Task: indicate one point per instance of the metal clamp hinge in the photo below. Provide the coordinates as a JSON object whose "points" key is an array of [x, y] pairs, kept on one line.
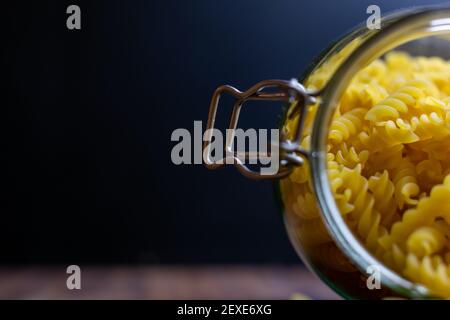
{"points": [[291, 154]]}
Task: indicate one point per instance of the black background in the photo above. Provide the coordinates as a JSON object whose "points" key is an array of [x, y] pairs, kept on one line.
{"points": [[87, 118]]}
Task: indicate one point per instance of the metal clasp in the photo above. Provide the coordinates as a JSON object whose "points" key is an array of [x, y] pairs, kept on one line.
{"points": [[291, 154]]}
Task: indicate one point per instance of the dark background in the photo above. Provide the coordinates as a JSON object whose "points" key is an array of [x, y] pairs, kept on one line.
{"points": [[87, 118]]}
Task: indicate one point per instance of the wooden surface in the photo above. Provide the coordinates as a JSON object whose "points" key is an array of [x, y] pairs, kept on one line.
{"points": [[227, 282]]}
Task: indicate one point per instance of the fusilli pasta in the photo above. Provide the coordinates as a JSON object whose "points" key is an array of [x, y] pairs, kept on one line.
{"points": [[388, 167]]}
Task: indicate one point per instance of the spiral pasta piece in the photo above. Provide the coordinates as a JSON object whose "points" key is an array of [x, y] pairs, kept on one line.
{"points": [[369, 226], [305, 206], [346, 125], [432, 271], [383, 191], [399, 103], [405, 182], [349, 157], [425, 241]]}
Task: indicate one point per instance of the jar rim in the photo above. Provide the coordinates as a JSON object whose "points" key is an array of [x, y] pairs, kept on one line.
{"points": [[398, 28]]}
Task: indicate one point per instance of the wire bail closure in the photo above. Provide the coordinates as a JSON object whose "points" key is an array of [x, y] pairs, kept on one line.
{"points": [[291, 154]]}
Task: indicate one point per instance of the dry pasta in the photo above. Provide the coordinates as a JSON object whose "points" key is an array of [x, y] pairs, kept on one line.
{"points": [[389, 166]]}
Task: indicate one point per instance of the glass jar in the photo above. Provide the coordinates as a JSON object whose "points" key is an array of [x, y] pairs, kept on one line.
{"points": [[312, 215]]}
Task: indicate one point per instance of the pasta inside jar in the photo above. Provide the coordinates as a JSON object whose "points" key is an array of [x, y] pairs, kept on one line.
{"points": [[388, 160]]}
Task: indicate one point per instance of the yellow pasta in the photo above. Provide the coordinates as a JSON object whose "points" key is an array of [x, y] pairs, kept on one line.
{"points": [[346, 125], [388, 166], [431, 271], [425, 241]]}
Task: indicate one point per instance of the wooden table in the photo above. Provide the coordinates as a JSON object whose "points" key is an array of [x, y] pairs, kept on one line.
{"points": [[204, 282]]}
